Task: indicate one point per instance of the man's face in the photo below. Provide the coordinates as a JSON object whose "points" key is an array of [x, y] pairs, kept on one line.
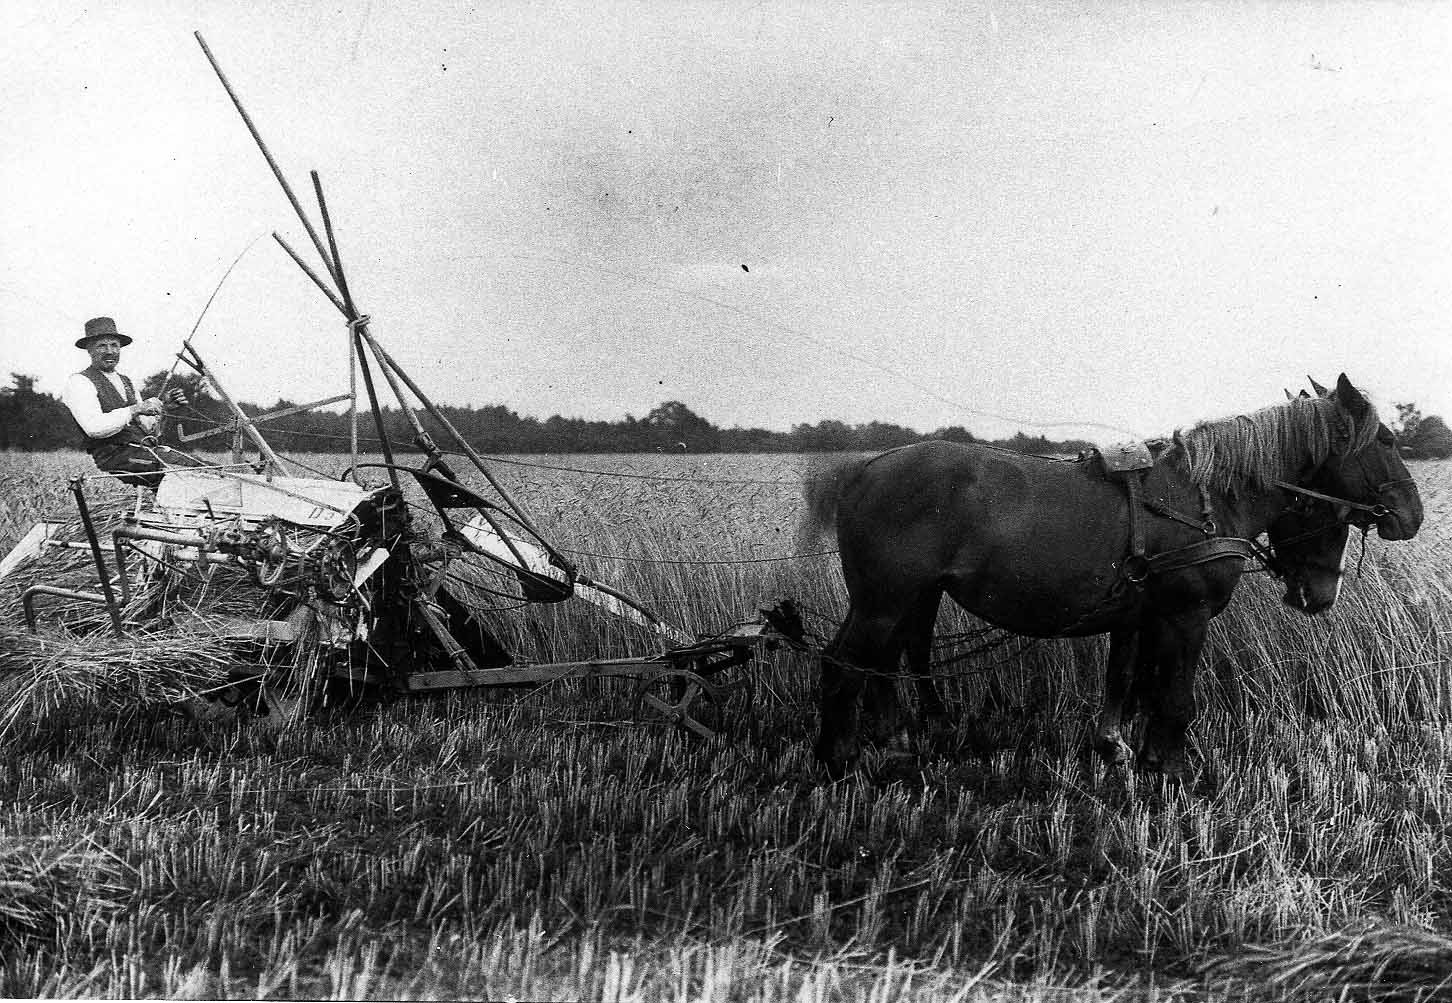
{"points": [[105, 353]]}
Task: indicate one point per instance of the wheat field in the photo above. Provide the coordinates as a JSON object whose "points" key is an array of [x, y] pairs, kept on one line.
{"points": [[543, 844]]}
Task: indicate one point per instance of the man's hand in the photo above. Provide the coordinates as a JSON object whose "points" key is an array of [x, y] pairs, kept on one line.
{"points": [[149, 406], [174, 398]]}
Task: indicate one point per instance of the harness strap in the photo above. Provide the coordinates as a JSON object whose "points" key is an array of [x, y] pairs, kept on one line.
{"points": [[1268, 558], [1217, 548], [1136, 523], [1377, 510], [1206, 525], [1138, 567]]}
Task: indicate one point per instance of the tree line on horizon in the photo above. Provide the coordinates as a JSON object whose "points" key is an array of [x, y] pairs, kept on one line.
{"points": [[35, 421]]}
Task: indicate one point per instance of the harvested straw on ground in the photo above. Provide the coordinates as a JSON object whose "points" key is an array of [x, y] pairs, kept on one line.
{"points": [[48, 880], [1373, 961], [41, 676]]}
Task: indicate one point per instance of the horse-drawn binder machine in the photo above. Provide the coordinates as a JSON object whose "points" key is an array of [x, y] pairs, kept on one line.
{"points": [[375, 578]]}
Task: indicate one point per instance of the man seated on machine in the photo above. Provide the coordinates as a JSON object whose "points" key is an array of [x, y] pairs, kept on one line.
{"points": [[120, 428]]}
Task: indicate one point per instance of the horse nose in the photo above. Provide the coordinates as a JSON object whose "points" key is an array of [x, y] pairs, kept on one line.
{"points": [[1404, 513]]}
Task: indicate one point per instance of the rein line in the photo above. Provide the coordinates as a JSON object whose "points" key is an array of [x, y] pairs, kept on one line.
{"points": [[1379, 510]]}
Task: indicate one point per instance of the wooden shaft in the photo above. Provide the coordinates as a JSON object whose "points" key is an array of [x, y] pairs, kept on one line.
{"points": [[420, 433], [355, 354], [388, 364], [267, 154], [384, 445], [353, 405], [308, 270], [338, 275], [269, 416], [246, 423], [353, 342]]}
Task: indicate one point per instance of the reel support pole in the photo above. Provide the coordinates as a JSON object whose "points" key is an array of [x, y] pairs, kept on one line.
{"points": [[384, 445], [267, 154], [355, 350], [358, 325], [388, 363], [353, 405]]}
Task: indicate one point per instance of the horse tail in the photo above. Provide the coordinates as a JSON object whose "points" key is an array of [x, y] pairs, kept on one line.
{"points": [[821, 489]]}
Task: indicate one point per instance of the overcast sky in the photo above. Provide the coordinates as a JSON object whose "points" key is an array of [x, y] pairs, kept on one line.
{"points": [[938, 213]]}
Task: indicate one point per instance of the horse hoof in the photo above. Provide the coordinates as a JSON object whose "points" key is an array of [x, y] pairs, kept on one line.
{"points": [[1172, 769], [1114, 750]]}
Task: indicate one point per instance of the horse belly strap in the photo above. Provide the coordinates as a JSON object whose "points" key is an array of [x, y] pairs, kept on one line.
{"points": [[1217, 548]]}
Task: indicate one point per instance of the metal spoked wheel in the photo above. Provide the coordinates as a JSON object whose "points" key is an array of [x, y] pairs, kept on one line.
{"points": [[682, 697]]}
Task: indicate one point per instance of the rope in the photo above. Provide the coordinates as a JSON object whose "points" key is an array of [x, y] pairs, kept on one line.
{"points": [[940, 663], [939, 641], [645, 477], [657, 560]]}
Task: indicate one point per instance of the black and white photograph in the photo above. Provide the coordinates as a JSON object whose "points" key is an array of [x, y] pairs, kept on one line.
{"points": [[675, 500]]}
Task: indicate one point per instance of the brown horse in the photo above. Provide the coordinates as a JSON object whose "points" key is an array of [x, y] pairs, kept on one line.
{"points": [[1308, 545], [1048, 548]]}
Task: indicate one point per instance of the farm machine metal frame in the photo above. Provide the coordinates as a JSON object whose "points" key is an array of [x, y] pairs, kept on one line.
{"points": [[350, 584]]}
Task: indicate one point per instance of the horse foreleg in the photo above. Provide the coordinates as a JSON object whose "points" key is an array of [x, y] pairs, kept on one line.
{"points": [[882, 711], [1174, 643], [1119, 678], [858, 648]]}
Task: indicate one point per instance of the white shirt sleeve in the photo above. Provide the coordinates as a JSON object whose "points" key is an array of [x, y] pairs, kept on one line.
{"points": [[80, 397]]}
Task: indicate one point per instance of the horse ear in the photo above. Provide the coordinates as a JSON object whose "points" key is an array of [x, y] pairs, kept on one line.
{"points": [[1289, 396], [1320, 390], [1350, 397]]}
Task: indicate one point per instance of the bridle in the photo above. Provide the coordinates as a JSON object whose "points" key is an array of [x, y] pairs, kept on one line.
{"points": [[1272, 561], [1377, 511]]}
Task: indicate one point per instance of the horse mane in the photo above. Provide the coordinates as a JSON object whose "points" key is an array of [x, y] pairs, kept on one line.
{"points": [[1253, 451]]}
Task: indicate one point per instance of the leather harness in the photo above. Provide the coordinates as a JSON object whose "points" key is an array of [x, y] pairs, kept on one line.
{"points": [[1129, 463]]}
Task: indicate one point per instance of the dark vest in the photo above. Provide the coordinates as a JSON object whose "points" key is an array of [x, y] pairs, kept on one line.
{"points": [[110, 400]]}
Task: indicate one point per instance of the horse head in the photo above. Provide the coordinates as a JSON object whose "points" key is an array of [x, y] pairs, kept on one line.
{"points": [[1365, 468], [1309, 542]]}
